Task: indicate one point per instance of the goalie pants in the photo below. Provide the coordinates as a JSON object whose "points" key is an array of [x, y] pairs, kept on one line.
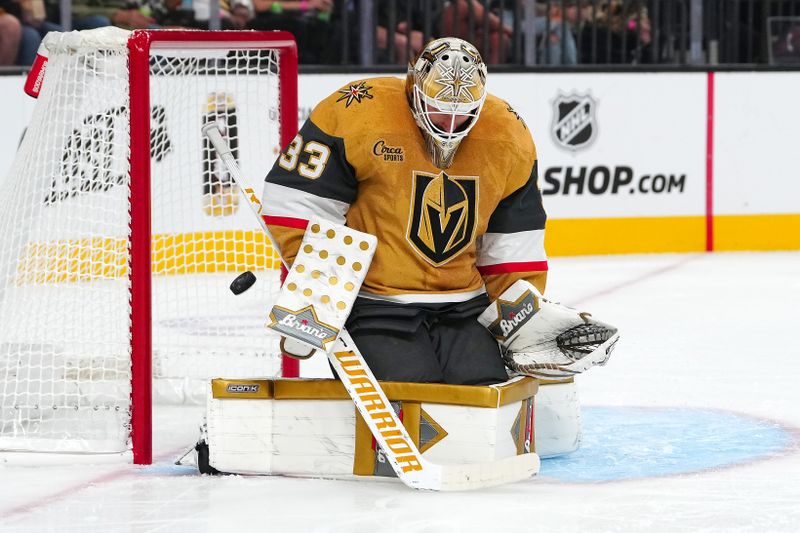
{"points": [[439, 343]]}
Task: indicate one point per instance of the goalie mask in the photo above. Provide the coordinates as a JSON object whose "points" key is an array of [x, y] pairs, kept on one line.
{"points": [[446, 88]]}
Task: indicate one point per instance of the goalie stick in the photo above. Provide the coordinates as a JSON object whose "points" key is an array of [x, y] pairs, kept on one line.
{"points": [[373, 405]]}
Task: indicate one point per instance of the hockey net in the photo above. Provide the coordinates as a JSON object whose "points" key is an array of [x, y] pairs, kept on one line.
{"points": [[120, 226]]}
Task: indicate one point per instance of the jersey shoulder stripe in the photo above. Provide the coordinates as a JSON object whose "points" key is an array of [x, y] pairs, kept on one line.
{"points": [[284, 203]]}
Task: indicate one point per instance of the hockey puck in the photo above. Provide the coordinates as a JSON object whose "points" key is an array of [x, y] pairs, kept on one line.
{"points": [[243, 282]]}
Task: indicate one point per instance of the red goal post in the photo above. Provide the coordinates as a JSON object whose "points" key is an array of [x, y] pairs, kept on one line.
{"points": [[140, 45]]}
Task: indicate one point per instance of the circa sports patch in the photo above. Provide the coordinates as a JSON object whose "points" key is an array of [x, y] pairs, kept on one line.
{"points": [[302, 325], [513, 315]]}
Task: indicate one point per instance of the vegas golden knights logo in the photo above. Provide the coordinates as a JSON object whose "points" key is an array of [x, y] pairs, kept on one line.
{"points": [[443, 215]]}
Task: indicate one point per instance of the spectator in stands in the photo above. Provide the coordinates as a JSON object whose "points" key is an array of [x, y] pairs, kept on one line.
{"points": [[638, 30], [308, 20], [86, 14], [459, 15], [399, 23], [555, 30], [233, 14], [127, 14], [622, 33], [40, 17], [554, 27], [242, 13], [785, 42], [10, 36], [408, 35], [142, 14], [34, 26], [297, 7]]}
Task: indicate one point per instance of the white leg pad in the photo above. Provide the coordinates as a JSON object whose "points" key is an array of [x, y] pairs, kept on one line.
{"points": [[558, 418], [310, 427]]}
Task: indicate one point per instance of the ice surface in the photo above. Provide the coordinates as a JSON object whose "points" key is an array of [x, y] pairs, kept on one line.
{"points": [[692, 425]]}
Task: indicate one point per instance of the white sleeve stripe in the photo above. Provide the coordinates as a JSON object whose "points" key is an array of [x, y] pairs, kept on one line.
{"points": [[282, 201], [424, 298], [520, 247]]}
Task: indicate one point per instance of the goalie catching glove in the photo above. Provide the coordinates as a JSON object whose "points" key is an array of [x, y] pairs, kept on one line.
{"points": [[544, 339]]}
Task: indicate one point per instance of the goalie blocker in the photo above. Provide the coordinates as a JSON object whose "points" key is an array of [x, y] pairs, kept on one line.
{"points": [[544, 339]]}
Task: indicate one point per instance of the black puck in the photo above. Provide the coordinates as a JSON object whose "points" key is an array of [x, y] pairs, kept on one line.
{"points": [[243, 282]]}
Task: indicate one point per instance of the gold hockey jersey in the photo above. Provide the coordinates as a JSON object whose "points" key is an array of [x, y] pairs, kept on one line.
{"points": [[443, 235]]}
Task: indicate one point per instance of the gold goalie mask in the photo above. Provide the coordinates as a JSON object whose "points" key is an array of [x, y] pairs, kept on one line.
{"points": [[446, 88]]}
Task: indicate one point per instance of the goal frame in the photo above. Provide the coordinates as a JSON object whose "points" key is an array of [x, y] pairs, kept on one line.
{"points": [[140, 43]]}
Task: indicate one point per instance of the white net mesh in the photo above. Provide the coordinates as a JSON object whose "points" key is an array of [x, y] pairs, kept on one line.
{"points": [[65, 363]]}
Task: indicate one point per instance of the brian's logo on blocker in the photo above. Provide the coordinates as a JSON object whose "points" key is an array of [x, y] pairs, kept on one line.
{"points": [[512, 315], [302, 325], [574, 122]]}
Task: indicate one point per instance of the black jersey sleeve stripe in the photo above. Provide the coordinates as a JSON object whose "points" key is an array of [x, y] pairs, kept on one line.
{"points": [[337, 179], [522, 210]]}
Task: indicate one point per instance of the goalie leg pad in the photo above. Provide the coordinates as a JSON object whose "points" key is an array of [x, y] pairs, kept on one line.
{"points": [[309, 427]]}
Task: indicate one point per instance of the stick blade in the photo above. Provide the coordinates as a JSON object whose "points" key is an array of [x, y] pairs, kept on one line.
{"points": [[483, 475]]}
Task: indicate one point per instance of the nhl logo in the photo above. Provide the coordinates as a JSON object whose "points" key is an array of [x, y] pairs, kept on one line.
{"points": [[574, 124]]}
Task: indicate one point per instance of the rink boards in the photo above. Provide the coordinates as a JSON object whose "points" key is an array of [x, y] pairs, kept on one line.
{"points": [[629, 162], [654, 161]]}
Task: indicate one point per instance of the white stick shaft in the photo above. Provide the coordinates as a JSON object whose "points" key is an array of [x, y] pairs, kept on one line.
{"points": [[374, 406], [211, 131]]}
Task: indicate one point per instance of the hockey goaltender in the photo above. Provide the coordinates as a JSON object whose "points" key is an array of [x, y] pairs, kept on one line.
{"points": [[437, 181], [445, 175]]}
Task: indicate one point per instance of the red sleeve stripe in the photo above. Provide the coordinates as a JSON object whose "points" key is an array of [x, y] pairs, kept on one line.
{"points": [[286, 222], [509, 268]]}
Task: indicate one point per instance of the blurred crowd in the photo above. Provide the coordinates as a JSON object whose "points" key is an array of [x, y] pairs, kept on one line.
{"points": [[566, 32], [328, 31], [24, 23]]}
